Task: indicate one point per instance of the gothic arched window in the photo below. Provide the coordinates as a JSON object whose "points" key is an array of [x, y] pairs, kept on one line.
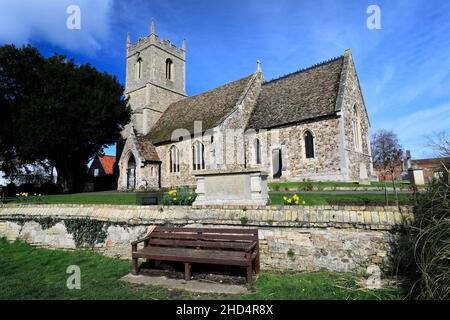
{"points": [[257, 151], [174, 159], [169, 66], [131, 173], [198, 156], [309, 144]]}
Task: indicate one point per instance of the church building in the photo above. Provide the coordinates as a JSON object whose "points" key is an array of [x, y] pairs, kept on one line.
{"points": [[310, 124]]}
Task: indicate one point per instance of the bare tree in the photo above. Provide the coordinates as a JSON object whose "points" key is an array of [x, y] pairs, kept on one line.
{"points": [[440, 142], [387, 154]]}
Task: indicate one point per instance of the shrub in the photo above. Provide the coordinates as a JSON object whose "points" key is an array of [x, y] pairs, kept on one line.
{"points": [[181, 196], [26, 198], [308, 185], [244, 220], [294, 200], [430, 238]]}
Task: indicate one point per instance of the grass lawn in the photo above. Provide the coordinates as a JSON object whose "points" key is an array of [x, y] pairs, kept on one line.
{"points": [[276, 198], [312, 199], [321, 185], [85, 198], [36, 273]]}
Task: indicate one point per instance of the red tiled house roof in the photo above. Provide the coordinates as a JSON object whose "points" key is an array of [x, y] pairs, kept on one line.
{"points": [[107, 163]]}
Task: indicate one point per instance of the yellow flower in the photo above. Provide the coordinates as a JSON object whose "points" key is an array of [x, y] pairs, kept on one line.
{"points": [[172, 192], [174, 199], [295, 196], [40, 195], [289, 200], [35, 194], [303, 202], [285, 198], [17, 194], [296, 201]]}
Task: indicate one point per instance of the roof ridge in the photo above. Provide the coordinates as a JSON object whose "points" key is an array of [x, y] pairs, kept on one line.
{"points": [[316, 65], [212, 89]]}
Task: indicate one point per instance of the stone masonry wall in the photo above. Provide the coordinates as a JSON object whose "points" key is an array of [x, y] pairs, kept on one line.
{"points": [[358, 159], [325, 165], [346, 239]]}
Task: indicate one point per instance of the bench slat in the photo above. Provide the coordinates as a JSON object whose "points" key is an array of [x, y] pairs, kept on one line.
{"points": [[201, 244], [208, 230], [207, 236], [192, 255]]}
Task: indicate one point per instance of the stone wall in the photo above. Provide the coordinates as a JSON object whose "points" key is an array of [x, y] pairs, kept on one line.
{"points": [[325, 165], [357, 158], [334, 238]]}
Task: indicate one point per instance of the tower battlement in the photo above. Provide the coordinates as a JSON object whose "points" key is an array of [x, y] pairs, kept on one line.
{"points": [[155, 77], [153, 39]]}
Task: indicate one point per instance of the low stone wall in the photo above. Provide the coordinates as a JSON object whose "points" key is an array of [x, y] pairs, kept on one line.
{"points": [[338, 238]]}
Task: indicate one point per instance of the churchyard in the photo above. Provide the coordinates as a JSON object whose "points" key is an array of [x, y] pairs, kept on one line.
{"points": [[25, 273]]}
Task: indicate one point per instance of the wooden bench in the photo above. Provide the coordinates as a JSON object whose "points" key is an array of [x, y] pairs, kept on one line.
{"points": [[233, 247]]}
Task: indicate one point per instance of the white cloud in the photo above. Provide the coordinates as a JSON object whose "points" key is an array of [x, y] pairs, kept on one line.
{"points": [[414, 128], [28, 21]]}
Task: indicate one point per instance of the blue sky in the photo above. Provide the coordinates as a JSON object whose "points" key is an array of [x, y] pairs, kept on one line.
{"points": [[404, 68]]}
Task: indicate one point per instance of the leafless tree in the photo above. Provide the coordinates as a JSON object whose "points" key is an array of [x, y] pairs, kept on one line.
{"points": [[387, 154], [440, 143]]}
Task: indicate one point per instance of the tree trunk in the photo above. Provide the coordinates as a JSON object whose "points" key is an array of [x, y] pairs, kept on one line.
{"points": [[71, 177]]}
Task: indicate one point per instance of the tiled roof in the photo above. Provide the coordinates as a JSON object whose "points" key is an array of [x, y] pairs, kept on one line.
{"points": [[209, 107], [147, 149], [432, 162], [107, 163], [302, 95]]}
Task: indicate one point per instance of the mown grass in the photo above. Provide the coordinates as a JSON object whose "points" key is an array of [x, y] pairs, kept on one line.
{"points": [[36, 273], [82, 198], [317, 185], [311, 199]]}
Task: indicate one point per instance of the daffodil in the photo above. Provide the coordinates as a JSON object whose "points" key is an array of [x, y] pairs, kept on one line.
{"points": [[289, 200], [172, 192]]}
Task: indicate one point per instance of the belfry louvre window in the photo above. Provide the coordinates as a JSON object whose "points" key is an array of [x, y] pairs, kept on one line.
{"points": [[169, 65], [198, 156], [257, 151], [139, 69], [309, 145], [174, 160]]}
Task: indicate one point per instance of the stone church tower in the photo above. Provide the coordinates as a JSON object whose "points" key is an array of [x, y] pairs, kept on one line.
{"points": [[155, 77]]}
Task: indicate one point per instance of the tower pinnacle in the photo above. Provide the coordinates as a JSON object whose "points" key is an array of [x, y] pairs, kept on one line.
{"points": [[152, 26], [128, 39]]}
